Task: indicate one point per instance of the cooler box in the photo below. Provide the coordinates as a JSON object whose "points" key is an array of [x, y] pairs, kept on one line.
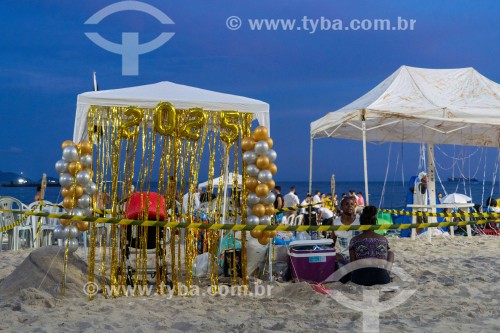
{"points": [[140, 204], [312, 260]]}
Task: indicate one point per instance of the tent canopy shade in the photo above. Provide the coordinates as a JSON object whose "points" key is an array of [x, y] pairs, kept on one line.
{"points": [[180, 96], [440, 106], [216, 181]]}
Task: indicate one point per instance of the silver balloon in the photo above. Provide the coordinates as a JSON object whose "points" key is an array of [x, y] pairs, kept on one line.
{"points": [[252, 220], [252, 170], [62, 166], [249, 210], [84, 201], [271, 154], [266, 219], [249, 157], [66, 180], [73, 244], [72, 231], [83, 178], [87, 211], [58, 232], [261, 148], [252, 199], [265, 176], [70, 154], [91, 188], [77, 212], [268, 199], [86, 161]]}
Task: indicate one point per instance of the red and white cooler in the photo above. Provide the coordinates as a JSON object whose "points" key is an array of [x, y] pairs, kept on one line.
{"points": [[312, 260]]}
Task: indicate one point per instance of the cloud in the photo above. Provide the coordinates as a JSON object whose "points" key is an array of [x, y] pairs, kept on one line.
{"points": [[11, 150]]}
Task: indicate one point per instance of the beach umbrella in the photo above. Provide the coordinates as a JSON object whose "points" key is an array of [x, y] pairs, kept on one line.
{"points": [[456, 198]]}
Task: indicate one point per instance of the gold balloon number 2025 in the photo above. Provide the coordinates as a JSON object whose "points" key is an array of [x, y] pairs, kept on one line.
{"points": [[166, 123]]}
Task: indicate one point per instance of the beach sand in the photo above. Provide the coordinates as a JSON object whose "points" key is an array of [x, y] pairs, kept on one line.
{"points": [[455, 285]]}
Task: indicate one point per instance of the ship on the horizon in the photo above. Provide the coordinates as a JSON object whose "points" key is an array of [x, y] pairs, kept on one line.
{"points": [[462, 179]]}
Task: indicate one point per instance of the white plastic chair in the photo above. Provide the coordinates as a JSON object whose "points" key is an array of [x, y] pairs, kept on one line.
{"points": [[8, 218], [47, 224], [298, 219]]}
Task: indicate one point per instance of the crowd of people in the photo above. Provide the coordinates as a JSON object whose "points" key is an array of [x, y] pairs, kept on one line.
{"points": [[366, 248]]}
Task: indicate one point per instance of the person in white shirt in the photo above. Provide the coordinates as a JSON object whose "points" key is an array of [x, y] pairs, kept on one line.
{"points": [[191, 201], [317, 197], [325, 216], [290, 200], [347, 217], [420, 195]]}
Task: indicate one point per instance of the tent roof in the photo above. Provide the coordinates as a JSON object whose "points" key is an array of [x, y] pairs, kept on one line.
{"points": [[181, 96], [217, 180], [443, 106]]}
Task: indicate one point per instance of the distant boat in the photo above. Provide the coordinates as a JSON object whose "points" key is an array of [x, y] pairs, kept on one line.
{"points": [[462, 179]]}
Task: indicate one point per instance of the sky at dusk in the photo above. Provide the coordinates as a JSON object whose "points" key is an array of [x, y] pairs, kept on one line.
{"points": [[46, 61]]}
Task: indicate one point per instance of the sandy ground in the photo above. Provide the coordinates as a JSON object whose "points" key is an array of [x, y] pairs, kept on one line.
{"points": [[452, 285]]}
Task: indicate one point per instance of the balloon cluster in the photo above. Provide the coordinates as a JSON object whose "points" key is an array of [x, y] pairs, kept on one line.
{"points": [[260, 167], [77, 189]]}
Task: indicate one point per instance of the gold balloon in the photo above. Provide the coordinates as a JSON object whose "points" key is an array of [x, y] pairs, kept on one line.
{"points": [[229, 125], [251, 183], [260, 133], [262, 162], [271, 185], [133, 117], [256, 233], [270, 142], [273, 168], [82, 225], [264, 240], [266, 233], [193, 127], [261, 190], [69, 203], [85, 147], [269, 209], [258, 210], [76, 191], [65, 222], [68, 143], [247, 144], [65, 192], [273, 233], [74, 167]]}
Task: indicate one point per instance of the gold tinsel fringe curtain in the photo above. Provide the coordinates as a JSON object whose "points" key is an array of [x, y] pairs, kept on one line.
{"points": [[165, 151]]}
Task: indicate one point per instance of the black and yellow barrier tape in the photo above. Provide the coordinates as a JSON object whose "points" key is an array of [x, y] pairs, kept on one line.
{"points": [[239, 227], [419, 213]]}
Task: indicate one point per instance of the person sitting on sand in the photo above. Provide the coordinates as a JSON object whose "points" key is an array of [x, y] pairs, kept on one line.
{"points": [[370, 245], [347, 217]]}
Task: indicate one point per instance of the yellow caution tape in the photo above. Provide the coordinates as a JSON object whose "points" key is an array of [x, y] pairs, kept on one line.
{"points": [[239, 227]]}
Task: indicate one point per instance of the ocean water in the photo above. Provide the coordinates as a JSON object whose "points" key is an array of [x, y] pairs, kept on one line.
{"points": [[391, 195]]}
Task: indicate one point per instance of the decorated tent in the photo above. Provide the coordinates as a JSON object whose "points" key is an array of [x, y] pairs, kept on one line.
{"points": [[433, 106], [161, 137], [180, 96]]}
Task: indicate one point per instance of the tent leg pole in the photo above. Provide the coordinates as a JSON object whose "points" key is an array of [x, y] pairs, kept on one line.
{"points": [[311, 165], [365, 164], [431, 185]]}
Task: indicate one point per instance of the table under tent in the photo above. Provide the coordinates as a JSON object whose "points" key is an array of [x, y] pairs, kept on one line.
{"points": [[419, 105]]}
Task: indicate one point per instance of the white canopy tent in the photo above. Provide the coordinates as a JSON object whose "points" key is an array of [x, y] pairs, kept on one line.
{"points": [[433, 106], [180, 96], [216, 181]]}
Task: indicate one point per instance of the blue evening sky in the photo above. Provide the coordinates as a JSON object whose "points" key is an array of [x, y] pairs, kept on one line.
{"points": [[46, 61]]}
